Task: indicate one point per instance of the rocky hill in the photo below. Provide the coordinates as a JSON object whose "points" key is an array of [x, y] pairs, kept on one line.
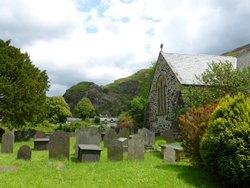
{"points": [[109, 99], [238, 51]]}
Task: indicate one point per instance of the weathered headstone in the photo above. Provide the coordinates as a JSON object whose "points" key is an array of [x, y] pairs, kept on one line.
{"points": [[115, 150], [24, 152], [124, 142], [124, 132], [169, 154], [169, 136], [109, 136], [40, 134], [7, 142], [149, 138], [59, 145], [136, 148], [83, 128], [90, 136]]}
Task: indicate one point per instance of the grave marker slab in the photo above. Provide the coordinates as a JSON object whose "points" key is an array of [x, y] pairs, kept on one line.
{"points": [[41, 144], [169, 154], [169, 136], [89, 152], [109, 136], [7, 145], [59, 145], [24, 152], [124, 132], [136, 148], [115, 150], [90, 136]]}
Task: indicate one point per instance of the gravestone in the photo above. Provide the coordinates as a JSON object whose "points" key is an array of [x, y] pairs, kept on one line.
{"points": [[124, 142], [124, 132], [136, 148], [89, 152], [149, 138], [169, 154], [109, 136], [59, 145], [7, 145], [169, 136], [24, 152], [90, 136], [83, 128], [115, 150], [40, 134]]}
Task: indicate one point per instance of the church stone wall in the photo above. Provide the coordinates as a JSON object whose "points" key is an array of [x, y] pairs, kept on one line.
{"points": [[169, 120]]}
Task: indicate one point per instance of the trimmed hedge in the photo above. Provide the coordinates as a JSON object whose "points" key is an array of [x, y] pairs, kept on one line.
{"points": [[225, 147]]}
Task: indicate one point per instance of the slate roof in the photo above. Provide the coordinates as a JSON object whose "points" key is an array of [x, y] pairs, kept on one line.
{"points": [[185, 67]]}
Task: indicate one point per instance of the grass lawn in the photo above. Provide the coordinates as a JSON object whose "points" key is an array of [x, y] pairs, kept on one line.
{"points": [[152, 172]]}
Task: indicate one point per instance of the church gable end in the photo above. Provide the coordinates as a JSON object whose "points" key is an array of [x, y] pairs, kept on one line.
{"points": [[163, 97]]}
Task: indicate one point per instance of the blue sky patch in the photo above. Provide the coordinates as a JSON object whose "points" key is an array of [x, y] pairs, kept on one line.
{"points": [[91, 29], [87, 5]]}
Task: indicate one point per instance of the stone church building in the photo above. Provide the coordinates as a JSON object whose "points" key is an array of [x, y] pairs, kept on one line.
{"points": [[165, 95]]}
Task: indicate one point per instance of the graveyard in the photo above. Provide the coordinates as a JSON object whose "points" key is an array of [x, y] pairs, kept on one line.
{"points": [[123, 162]]}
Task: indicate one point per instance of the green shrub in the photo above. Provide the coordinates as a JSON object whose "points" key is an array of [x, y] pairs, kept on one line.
{"points": [[97, 120], [124, 121], [225, 147], [192, 126]]}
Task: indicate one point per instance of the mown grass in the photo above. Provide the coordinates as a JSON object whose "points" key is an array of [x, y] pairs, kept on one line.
{"points": [[152, 172]]}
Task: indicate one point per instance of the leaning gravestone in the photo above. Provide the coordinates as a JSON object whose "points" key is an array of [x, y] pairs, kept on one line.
{"points": [[115, 150], [40, 134], [169, 136], [124, 132], [136, 148], [59, 145], [24, 153], [7, 142], [109, 136]]}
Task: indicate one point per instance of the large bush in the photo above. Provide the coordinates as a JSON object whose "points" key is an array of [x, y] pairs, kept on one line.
{"points": [[225, 147], [193, 125]]}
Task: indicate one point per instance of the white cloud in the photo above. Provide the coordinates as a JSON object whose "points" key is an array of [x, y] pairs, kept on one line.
{"points": [[86, 41]]}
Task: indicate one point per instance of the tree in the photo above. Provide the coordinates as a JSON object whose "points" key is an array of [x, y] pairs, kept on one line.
{"points": [[225, 147], [218, 80], [22, 87], [125, 121], [57, 109], [138, 103], [137, 110], [84, 108], [192, 126]]}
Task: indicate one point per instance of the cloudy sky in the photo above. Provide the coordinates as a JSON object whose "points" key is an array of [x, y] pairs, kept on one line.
{"points": [[103, 40]]}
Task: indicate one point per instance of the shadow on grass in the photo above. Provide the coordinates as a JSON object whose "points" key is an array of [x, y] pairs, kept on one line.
{"points": [[191, 175]]}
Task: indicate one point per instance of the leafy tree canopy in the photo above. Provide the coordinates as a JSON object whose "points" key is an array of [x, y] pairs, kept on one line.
{"points": [[218, 80], [57, 109], [138, 103], [22, 87], [84, 108]]}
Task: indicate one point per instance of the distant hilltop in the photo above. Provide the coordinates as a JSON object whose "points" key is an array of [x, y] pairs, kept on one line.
{"points": [[111, 99]]}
